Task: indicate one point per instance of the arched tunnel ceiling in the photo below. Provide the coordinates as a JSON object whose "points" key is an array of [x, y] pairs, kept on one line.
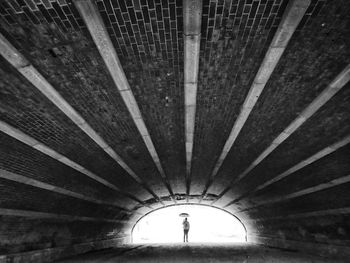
{"points": [[82, 141]]}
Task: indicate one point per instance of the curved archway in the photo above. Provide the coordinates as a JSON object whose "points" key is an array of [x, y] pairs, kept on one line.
{"points": [[208, 224]]}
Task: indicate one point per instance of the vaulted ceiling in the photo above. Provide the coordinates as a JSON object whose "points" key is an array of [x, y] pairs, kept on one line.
{"points": [[110, 109]]}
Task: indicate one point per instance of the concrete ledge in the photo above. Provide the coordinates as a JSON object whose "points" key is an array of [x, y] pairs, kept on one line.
{"points": [[51, 254], [331, 251]]}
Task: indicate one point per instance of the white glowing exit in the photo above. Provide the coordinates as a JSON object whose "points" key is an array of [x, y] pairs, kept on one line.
{"points": [[207, 224]]}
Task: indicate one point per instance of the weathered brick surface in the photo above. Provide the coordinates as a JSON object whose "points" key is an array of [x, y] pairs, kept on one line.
{"points": [[25, 108], [15, 195], [330, 229], [23, 160], [313, 58], [332, 198], [322, 171], [323, 129], [69, 60], [235, 37], [148, 38], [23, 234]]}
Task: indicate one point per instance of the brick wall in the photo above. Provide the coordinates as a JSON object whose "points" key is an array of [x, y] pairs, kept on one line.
{"points": [[323, 129], [21, 159], [313, 58], [148, 39], [235, 37], [24, 234], [69, 60], [15, 195]]}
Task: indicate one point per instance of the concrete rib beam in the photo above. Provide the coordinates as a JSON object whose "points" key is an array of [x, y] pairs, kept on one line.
{"points": [[192, 13], [190, 114], [99, 34], [336, 85], [26, 139], [336, 211], [268, 65], [44, 215], [306, 191], [132, 106], [290, 20], [17, 134], [32, 182], [317, 156], [14, 57], [190, 94], [328, 150], [34, 77], [191, 57]]}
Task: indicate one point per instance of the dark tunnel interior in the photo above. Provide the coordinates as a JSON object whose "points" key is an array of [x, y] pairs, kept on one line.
{"points": [[112, 109]]}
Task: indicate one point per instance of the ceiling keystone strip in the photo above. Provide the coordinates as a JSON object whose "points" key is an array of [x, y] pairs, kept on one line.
{"points": [[15, 58], [192, 12], [24, 138], [32, 182], [99, 34], [336, 85], [290, 20], [44, 215]]}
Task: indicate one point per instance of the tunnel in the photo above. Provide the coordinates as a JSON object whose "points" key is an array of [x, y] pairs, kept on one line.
{"points": [[111, 110], [209, 225]]}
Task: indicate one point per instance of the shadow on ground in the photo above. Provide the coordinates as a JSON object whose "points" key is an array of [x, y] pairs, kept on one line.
{"points": [[193, 253]]}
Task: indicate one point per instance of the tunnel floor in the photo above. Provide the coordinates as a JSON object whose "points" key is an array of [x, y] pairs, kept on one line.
{"points": [[194, 253]]}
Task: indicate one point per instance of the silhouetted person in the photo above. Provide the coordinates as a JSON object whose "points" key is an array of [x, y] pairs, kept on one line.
{"points": [[186, 226]]}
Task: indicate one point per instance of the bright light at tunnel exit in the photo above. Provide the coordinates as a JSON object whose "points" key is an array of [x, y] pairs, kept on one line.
{"points": [[207, 224]]}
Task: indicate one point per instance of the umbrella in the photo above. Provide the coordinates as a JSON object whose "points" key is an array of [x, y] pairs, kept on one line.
{"points": [[184, 215]]}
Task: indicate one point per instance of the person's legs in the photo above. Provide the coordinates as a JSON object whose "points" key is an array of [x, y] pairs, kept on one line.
{"points": [[186, 236]]}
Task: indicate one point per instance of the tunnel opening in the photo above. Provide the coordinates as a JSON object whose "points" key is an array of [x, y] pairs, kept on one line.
{"points": [[207, 225]]}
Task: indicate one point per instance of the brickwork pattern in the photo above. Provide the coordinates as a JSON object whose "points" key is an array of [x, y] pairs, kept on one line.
{"points": [[235, 37], [323, 129], [69, 60], [316, 54], [147, 36], [15, 195], [26, 109], [24, 234], [23, 160], [321, 229], [326, 169], [332, 198]]}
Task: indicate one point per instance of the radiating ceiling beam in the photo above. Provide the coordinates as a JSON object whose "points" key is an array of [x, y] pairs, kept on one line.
{"points": [[16, 59], [328, 150], [336, 85], [192, 12], [35, 183], [317, 156], [290, 20], [45, 215], [306, 191], [28, 140], [99, 34], [336, 211]]}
